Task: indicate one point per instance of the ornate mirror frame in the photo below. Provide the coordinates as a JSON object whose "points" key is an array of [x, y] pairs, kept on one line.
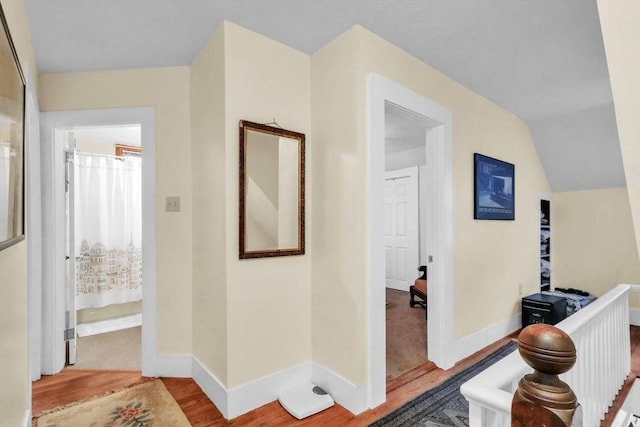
{"points": [[255, 133]]}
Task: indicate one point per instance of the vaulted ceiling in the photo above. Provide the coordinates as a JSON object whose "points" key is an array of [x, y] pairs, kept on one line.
{"points": [[543, 60]]}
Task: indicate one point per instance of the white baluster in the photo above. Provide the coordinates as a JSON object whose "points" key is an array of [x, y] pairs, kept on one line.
{"points": [[601, 335]]}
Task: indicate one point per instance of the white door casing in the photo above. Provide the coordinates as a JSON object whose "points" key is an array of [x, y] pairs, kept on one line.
{"points": [[33, 218], [70, 250], [53, 235], [401, 229]]}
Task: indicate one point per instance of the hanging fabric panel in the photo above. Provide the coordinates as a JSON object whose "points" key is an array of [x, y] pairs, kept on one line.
{"points": [[108, 230]]}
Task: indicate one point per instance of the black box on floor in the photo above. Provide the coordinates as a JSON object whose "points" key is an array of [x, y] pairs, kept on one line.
{"points": [[542, 308]]}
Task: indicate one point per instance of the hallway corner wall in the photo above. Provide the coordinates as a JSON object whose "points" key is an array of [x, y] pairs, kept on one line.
{"points": [[268, 299], [15, 383], [208, 173]]}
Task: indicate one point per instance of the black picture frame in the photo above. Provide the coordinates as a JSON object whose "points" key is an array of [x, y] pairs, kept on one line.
{"points": [[12, 141], [493, 188]]}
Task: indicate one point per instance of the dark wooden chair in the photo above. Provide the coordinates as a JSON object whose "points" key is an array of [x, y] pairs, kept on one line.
{"points": [[419, 289]]}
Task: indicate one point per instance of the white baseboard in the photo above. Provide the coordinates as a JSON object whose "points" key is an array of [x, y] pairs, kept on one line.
{"points": [[250, 396], [109, 325], [211, 386], [344, 392], [477, 341], [247, 397]]}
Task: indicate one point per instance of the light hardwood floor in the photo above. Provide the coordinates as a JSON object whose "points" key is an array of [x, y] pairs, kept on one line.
{"points": [[73, 385]]}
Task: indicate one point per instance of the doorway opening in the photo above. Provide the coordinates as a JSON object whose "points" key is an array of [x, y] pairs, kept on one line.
{"points": [[104, 223], [436, 121], [405, 238], [55, 319]]}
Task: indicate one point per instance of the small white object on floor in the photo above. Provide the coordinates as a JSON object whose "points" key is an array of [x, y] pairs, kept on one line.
{"points": [[304, 400]]}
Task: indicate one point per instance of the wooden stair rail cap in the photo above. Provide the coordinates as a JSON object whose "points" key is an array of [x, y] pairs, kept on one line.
{"points": [[542, 395]]}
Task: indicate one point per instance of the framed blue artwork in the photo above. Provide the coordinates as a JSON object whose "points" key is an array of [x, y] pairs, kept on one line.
{"points": [[494, 188]]}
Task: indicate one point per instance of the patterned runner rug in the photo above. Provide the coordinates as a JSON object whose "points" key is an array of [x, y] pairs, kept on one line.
{"points": [[442, 405], [144, 405]]}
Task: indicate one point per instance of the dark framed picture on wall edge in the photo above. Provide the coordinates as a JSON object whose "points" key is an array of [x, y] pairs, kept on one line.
{"points": [[493, 188]]}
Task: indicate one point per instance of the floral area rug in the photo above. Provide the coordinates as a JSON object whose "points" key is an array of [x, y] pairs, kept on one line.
{"points": [[147, 404]]}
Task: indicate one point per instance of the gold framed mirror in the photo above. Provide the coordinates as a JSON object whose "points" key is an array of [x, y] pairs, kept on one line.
{"points": [[272, 167]]}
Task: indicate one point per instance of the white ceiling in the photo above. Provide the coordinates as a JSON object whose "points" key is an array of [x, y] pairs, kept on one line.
{"points": [[543, 60]]}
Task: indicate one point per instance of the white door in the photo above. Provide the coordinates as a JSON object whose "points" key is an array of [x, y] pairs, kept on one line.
{"points": [[70, 303], [401, 231]]}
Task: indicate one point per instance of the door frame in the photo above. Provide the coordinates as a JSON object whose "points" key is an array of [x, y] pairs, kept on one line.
{"points": [[52, 158], [439, 169], [410, 172]]}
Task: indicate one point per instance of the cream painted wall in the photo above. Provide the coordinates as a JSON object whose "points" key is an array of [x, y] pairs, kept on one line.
{"points": [[209, 214], [491, 257], [14, 375], [16, 16], [592, 247], [251, 317], [621, 32], [339, 270], [168, 91], [98, 147], [268, 299]]}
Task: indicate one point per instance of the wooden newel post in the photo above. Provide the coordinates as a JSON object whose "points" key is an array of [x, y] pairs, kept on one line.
{"points": [[541, 398]]}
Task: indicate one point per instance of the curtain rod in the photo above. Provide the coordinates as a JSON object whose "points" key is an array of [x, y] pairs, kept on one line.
{"points": [[108, 156]]}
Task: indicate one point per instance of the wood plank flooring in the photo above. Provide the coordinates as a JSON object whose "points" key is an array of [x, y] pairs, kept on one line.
{"points": [[74, 385]]}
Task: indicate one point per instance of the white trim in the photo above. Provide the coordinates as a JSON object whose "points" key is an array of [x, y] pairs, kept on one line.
{"points": [[211, 386], [478, 340], [254, 394], [33, 225], [247, 397], [26, 422], [53, 254], [634, 316], [439, 161], [350, 396], [108, 325]]}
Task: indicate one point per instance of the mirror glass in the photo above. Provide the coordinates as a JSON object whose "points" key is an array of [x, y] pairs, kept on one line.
{"points": [[271, 191], [12, 116]]}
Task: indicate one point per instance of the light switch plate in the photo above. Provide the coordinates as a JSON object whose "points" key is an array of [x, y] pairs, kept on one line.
{"points": [[172, 204]]}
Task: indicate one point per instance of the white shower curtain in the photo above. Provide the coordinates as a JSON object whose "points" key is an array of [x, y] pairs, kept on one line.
{"points": [[108, 230]]}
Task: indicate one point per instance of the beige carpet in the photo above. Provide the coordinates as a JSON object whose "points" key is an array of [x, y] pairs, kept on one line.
{"points": [[406, 334], [148, 404], [118, 350]]}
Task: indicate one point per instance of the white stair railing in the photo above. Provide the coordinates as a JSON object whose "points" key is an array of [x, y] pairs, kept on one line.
{"points": [[600, 333]]}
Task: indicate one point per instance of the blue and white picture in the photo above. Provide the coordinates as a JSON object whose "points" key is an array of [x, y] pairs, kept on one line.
{"points": [[494, 188]]}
